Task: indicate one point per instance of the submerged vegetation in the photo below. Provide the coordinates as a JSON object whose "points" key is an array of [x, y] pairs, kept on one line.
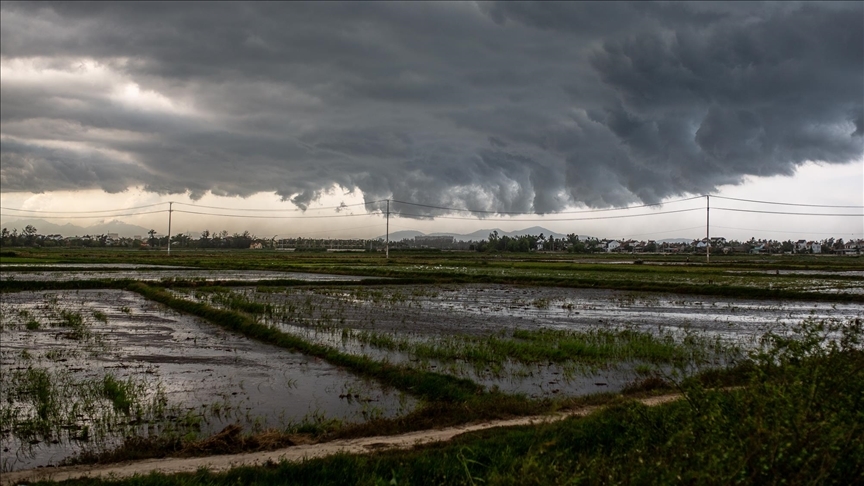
{"points": [[40, 405], [744, 276], [594, 347], [424, 384], [360, 320], [796, 420], [786, 408]]}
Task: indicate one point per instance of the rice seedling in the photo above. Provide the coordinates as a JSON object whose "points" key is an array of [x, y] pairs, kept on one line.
{"points": [[75, 322], [781, 427]]}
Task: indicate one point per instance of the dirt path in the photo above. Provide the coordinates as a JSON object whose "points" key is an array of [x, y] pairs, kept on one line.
{"points": [[293, 453]]}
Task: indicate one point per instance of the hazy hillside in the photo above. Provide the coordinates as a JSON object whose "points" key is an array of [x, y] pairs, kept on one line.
{"points": [[47, 228]]}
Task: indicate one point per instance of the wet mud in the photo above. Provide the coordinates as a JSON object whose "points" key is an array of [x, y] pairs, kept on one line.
{"points": [[212, 378]]}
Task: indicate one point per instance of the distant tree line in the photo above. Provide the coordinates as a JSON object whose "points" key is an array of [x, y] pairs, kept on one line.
{"points": [[30, 236], [572, 243]]}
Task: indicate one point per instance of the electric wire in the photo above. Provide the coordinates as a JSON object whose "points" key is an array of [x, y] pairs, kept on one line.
{"points": [[788, 204], [662, 232], [83, 212], [274, 217], [110, 213], [339, 229], [780, 231], [786, 212], [443, 208], [343, 206], [555, 219], [91, 217], [582, 211]]}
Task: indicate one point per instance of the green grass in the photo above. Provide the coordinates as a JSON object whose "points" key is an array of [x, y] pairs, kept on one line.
{"points": [[592, 347], [121, 394], [75, 323]]}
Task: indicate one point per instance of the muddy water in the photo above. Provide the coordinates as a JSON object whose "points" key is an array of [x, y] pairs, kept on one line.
{"points": [[534, 380], [842, 273], [125, 266], [488, 309], [424, 314], [148, 274], [219, 377]]}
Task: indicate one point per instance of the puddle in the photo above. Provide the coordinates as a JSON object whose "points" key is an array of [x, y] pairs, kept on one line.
{"points": [[218, 377]]}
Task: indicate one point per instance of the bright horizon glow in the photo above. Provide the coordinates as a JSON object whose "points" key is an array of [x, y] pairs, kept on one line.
{"points": [[811, 184]]}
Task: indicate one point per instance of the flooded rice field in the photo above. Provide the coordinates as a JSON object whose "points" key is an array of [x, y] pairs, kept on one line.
{"points": [[811, 281], [842, 273], [149, 274], [487, 309], [82, 370], [468, 330], [124, 266]]}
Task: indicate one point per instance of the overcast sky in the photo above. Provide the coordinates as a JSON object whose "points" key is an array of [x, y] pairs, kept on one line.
{"points": [[538, 108]]}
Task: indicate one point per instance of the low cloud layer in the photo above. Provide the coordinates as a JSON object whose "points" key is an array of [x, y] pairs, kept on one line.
{"points": [[496, 106]]}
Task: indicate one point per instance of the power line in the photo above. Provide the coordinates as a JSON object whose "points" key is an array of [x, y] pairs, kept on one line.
{"points": [[782, 231], [662, 232], [275, 217], [443, 208], [342, 206], [556, 219], [90, 217], [82, 212], [788, 213], [788, 204], [342, 229], [481, 211]]}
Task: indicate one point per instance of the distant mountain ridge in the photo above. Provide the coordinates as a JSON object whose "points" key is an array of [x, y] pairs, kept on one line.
{"points": [[124, 230]]}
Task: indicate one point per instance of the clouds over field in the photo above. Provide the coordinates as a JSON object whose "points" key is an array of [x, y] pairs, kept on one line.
{"points": [[498, 106]]}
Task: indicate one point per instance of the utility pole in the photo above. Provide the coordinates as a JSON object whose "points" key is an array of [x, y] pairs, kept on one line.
{"points": [[387, 245], [707, 229], [170, 210]]}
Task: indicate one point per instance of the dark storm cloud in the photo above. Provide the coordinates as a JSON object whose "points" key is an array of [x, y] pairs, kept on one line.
{"points": [[499, 106]]}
